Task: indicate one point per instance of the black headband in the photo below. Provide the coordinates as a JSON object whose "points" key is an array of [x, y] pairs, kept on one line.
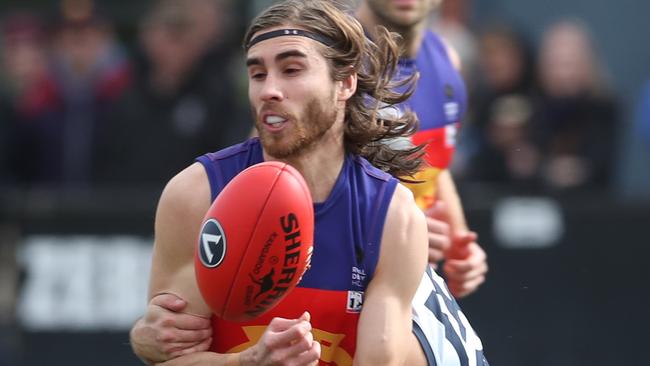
{"points": [[290, 32]]}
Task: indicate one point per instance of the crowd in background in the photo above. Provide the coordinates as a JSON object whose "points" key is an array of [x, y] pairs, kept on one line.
{"points": [[82, 107], [79, 111]]}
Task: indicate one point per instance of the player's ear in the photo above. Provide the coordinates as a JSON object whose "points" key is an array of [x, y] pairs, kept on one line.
{"points": [[347, 87]]}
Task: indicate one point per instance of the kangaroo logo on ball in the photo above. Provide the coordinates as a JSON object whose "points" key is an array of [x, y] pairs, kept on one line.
{"points": [[266, 283], [212, 244]]}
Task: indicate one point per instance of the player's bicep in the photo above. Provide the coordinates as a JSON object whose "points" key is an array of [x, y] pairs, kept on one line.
{"points": [[178, 219], [385, 323]]}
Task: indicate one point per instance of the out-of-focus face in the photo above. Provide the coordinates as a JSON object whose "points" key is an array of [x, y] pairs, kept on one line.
{"points": [[82, 46], [24, 60], [402, 13], [293, 97], [567, 61], [502, 61]]}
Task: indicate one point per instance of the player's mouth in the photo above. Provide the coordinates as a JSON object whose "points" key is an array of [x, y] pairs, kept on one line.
{"points": [[273, 122], [405, 4]]}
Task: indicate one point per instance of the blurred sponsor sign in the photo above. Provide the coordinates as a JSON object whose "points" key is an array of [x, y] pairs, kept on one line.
{"points": [[528, 222], [83, 282]]}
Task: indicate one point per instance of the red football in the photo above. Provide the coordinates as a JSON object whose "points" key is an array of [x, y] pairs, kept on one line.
{"points": [[256, 241]]}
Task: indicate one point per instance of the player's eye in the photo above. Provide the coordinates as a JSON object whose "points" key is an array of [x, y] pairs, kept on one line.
{"points": [[258, 75], [291, 71]]}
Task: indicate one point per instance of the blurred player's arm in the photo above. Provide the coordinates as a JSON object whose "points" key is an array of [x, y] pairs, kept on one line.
{"points": [[448, 194], [177, 320], [385, 325], [466, 263]]}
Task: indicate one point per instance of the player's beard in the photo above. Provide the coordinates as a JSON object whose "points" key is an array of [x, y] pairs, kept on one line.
{"points": [[303, 134]]}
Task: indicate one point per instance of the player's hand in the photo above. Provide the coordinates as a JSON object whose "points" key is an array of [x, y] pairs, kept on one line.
{"points": [[165, 332], [439, 232], [466, 264], [285, 342]]}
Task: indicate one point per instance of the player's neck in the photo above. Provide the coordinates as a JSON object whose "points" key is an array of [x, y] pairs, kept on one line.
{"points": [[411, 36], [321, 163]]}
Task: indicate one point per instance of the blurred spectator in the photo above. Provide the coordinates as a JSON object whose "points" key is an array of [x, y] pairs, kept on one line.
{"points": [[506, 67], [451, 22], [26, 92], [508, 154], [58, 101], [576, 118], [185, 100], [643, 115], [497, 139], [5, 138]]}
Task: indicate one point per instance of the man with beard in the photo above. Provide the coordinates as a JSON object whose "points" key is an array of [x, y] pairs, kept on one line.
{"points": [[316, 88], [439, 100]]}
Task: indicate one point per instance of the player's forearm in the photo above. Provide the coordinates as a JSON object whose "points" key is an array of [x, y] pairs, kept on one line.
{"points": [[211, 359], [449, 195]]}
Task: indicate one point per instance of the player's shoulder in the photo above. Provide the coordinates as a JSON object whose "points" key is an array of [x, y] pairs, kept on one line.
{"points": [[187, 193], [403, 212], [370, 170], [403, 199], [447, 47]]}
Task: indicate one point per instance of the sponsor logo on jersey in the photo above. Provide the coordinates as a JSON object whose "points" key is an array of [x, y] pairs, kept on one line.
{"points": [[452, 111], [358, 277], [355, 301], [212, 244], [450, 135]]}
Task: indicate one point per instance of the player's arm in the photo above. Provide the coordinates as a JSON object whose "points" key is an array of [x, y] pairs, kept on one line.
{"points": [[180, 213], [466, 263], [449, 195], [385, 325], [284, 342], [177, 320]]}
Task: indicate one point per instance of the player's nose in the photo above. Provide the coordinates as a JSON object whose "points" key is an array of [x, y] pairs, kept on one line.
{"points": [[271, 90]]}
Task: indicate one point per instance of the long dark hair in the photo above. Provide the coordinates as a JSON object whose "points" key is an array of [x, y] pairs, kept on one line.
{"points": [[375, 62]]}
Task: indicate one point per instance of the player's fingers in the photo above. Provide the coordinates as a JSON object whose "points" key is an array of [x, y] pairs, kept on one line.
{"points": [[183, 336], [465, 237], [464, 279], [297, 347], [192, 322], [439, 241], [463, 271], [290, 335], [186, 349], [435, 256], [281, 324], [437, 226], [168, 301], [309, 357], [169, 348], [306, 316], [477, 259], [438, 211], [465, 288]]}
